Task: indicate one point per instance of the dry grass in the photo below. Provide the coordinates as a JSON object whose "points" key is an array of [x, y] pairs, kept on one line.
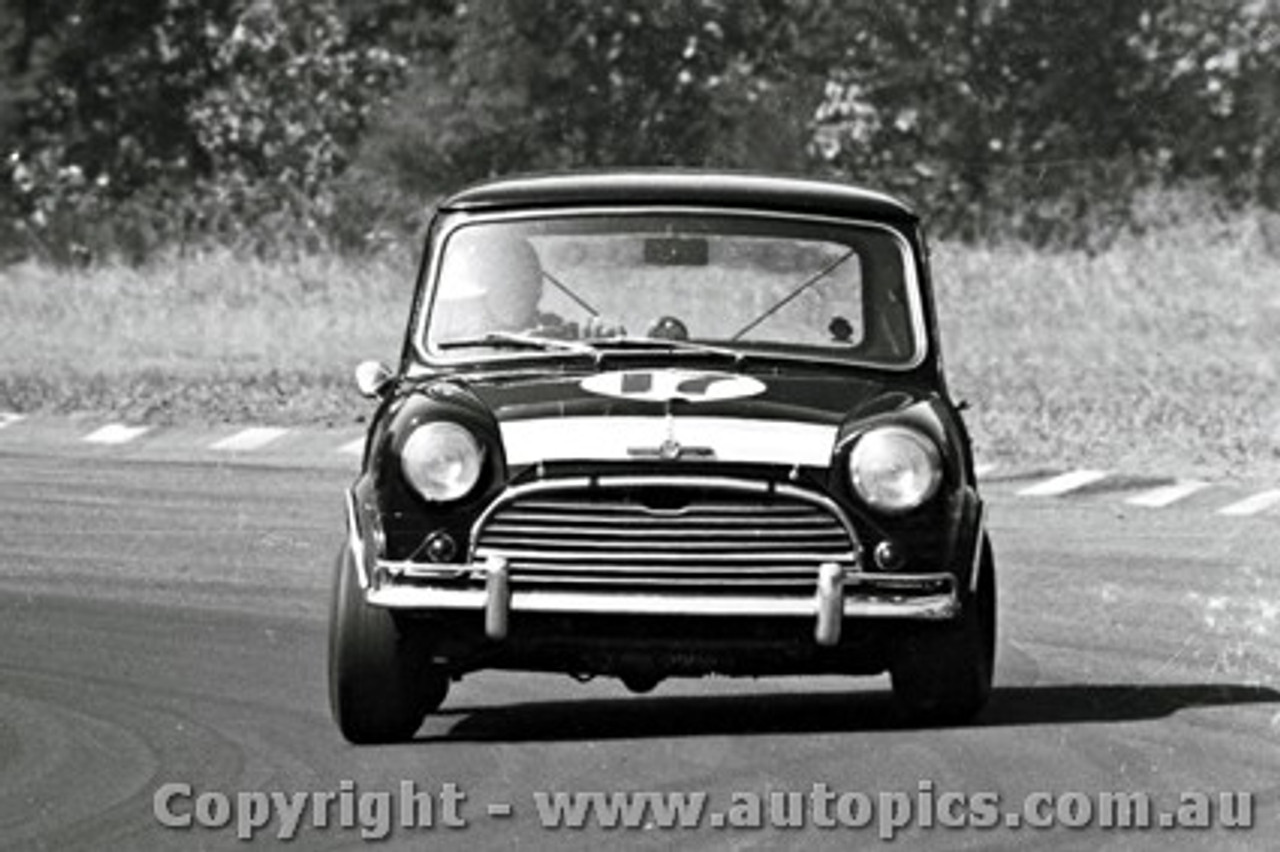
{"points": [[208, 338], [1159, 354]]}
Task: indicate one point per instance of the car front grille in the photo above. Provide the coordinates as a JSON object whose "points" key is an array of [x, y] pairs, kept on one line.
{"points": [[666, 536]]}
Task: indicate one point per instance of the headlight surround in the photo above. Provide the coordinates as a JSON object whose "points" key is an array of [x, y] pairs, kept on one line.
{"points": [[895, 469], [442, 461]]}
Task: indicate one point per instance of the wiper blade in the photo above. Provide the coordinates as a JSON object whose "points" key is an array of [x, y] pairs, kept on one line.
{"points": [[795, 293], [513, 340], [643, 343]]}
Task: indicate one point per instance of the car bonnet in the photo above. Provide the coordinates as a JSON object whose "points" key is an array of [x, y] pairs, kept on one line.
{"points": [[673, 413]]}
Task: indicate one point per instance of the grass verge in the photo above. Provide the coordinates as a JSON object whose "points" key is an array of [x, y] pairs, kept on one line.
{"points": [[1159, 354], [207, 339]]}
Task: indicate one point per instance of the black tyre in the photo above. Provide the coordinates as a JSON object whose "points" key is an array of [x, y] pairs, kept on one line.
{"points": [[942, 674], [381, 683]]}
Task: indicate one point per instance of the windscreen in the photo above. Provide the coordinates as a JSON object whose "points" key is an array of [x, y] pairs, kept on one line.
{"points": [[745, 283]]}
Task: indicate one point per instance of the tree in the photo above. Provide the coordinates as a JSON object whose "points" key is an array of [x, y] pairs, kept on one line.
{"points": [[164, 117], [158, 121], [290, 103], [578, 83], [1022, 116]]}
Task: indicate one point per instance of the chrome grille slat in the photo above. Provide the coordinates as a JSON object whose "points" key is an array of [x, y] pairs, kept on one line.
{"points": [[755, 509], [625, 571], [719, 536], [650, 522], [797, 585], [817, 537], [700, 544], [642, 557], [658, 522]]}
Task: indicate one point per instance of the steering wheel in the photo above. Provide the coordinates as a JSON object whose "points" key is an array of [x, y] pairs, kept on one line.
{"points": [[669, 328]]}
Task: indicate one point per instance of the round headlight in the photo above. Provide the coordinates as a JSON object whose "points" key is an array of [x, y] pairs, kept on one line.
{"points": [[894, 469], [442, 461]]}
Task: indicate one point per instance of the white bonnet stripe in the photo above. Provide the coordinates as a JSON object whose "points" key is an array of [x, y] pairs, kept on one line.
{"points": [[619, 438]]}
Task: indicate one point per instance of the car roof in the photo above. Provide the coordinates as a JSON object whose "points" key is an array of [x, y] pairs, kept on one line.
{"points": [[679, 187]]}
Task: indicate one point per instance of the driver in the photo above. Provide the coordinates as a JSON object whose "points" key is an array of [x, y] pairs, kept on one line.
{"points": [[493, 281]]}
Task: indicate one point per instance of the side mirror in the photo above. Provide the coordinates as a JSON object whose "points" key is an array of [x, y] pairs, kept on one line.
{"points": [[373, 378]]}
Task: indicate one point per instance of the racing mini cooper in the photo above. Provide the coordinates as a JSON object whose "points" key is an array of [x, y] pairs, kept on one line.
{"points": [[652, 424]]}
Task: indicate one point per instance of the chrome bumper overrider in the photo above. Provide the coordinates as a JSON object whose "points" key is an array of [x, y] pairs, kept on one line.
{"points": [[841, 592]]}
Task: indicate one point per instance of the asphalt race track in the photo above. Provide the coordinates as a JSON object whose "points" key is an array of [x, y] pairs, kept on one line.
{"points": [[163, 622]]}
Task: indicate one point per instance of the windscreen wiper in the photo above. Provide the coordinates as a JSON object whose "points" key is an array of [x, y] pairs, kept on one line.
{"points": [[514, 340], [666, 344], [786, 300]]}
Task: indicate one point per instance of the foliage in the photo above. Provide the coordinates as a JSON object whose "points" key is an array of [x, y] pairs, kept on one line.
{"points": [[289, 107], [196, 118], [101, 111], [284, 123], [1034, 119], [575, 83]]}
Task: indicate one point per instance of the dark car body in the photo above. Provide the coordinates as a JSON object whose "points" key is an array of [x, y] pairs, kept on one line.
{"points": [[668, 504]]}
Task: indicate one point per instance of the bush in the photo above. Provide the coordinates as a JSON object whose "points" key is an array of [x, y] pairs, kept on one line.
{"points": [[291, 126], [192, 122]]}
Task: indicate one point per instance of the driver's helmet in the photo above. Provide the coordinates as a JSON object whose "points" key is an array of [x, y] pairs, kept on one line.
{"points": [[490, 281]]}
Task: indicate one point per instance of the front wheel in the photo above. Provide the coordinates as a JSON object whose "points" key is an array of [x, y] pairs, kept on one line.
{"points": [[381, 684], [942, 674]]}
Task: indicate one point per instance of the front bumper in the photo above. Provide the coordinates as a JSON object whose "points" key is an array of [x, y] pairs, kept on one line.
{"points": [[840, 590]]}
